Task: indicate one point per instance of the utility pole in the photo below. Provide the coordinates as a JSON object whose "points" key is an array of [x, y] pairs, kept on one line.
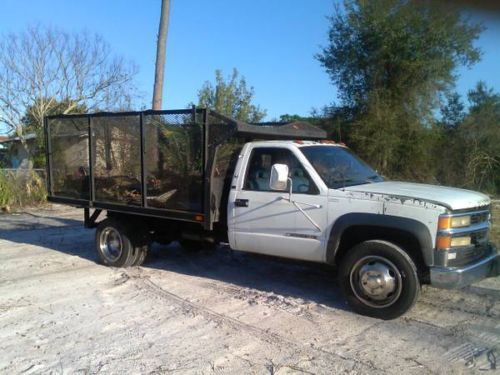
{"points": [[161, 47]]}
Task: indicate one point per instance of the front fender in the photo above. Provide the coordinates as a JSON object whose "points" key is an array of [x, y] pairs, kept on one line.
{"points": [[411, 226]]}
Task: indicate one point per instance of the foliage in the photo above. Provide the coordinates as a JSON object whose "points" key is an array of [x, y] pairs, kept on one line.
{"points": [[397, 47], [292, 118], [31, 124], [463, 147], [6, 190], [182, 147], [231, 97], [467, 150], [392, 60], [21, 188], [44, 68], [495, 225], [453, 112], [479, 136]]}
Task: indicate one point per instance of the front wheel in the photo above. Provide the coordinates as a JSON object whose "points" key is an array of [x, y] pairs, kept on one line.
{"points": [[379, 279]]}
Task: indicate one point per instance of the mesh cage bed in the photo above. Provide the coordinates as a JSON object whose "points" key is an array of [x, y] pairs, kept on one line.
{"points": [[176, 164]]}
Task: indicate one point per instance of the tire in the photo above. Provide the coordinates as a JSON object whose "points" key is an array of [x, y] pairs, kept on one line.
{"points": [[118, 246], [142, 254], [379, 279], [141, 244]]}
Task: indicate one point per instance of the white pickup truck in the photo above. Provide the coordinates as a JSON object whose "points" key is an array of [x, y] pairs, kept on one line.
{"points": [[294, 195]]}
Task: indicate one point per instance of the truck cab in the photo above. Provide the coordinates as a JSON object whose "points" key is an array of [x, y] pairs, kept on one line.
{"points": [[386, 238]]}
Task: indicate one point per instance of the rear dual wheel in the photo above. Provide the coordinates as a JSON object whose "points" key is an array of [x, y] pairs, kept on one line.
{"points": [[119, 246]]}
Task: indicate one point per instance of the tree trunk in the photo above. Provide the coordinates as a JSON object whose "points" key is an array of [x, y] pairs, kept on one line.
{"points": [[160, 54]]}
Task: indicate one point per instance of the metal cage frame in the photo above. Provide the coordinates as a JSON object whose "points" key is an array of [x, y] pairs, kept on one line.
{"points": [[243, 131]]}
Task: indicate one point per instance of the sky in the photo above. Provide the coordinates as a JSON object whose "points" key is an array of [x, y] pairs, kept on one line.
{"points": [[271, 42]]}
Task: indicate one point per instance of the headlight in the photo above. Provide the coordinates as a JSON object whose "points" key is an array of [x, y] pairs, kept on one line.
{"points": [[447, 222], [460, 241], [460, 221], [447, 242]]}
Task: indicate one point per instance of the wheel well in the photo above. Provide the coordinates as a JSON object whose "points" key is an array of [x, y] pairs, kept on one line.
{"points": [[406, 240]]}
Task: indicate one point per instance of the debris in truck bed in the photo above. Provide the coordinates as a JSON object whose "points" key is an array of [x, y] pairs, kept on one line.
{"points": [[163, 198]]}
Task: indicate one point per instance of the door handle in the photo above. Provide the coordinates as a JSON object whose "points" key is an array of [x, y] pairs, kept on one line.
{"points": [[241, 202]]}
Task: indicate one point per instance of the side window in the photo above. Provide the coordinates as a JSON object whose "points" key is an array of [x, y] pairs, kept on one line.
{"points": [[259, 171]]}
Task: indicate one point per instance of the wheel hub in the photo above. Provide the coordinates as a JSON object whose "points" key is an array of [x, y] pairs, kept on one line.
{"points": [[111, 244], [376, 281]]}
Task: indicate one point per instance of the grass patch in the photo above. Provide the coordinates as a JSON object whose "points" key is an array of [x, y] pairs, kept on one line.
{"points": [[20, 188], [495, 229]]}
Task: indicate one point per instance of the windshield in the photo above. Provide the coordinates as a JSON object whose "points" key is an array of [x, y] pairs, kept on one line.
{"points": [[339, 167]]}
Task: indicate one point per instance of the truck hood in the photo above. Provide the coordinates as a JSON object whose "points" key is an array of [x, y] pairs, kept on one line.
{"points": [[451, 198]]}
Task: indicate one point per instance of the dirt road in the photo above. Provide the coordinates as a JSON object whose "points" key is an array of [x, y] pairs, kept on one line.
{"points": [[219, 312]]}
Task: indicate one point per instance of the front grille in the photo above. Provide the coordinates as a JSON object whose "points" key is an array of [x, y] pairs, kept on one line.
{"points": [[479, 238], [468, 255], [479, 217], [478, 232]]}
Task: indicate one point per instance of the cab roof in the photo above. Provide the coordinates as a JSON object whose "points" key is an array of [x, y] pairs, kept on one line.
{"points": [[300, 143]]}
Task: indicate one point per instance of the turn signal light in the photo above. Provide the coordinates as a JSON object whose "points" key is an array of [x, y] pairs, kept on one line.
{"points": [[443, 242], [444, 222]]}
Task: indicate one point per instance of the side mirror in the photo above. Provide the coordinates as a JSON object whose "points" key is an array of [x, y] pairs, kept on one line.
{"points": [[279, 177]]}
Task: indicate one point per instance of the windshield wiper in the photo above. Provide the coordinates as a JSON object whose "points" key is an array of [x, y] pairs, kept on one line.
{"points": [[353, 182], [342, 181], [371, 179]]}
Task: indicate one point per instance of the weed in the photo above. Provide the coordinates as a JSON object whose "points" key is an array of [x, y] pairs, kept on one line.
{"points": [[21, 188]]}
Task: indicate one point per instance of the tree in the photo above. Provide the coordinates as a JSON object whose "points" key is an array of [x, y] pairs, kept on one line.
{"points": [[161, 48], [31, 124], [230, 97], [45, 68], [453, 112], [331, 119], [291, 118], [391, 60], [448, 156], [480, 139]]}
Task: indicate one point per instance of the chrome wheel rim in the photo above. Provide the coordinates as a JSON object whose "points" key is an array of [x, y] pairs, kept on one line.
{"points": [[111, 244], [376, 281]]}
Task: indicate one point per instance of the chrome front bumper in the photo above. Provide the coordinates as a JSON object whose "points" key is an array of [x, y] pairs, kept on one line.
{"points": [[451, 278]]}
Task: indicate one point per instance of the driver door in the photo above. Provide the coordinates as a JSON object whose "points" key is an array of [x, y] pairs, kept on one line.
{"points": [[265, 221]]}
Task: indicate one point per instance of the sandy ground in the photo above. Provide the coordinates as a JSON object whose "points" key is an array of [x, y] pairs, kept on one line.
{"points": [[214, 312]]}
